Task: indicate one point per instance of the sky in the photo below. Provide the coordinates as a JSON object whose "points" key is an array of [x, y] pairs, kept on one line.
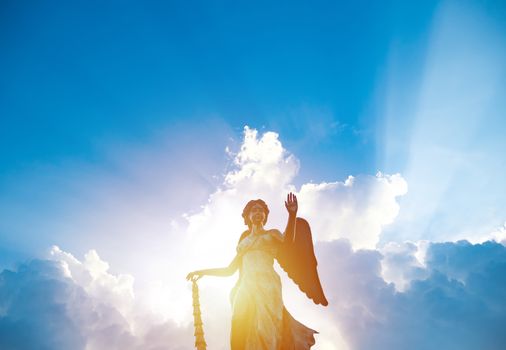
{"points": [[132, 134]]}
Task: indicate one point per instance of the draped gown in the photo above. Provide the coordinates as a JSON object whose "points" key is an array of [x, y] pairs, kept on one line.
{"points": [[259, 318]]}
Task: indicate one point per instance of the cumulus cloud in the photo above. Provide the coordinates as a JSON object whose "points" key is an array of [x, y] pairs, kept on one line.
{"points": [[498, 234], [92, 274], [458, 305], [64, 303], [403, 262], [356, 209], [33, 312], [401, 295]]}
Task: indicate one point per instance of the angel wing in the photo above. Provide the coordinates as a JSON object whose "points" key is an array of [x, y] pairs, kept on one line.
{"points": [[296, 256]]}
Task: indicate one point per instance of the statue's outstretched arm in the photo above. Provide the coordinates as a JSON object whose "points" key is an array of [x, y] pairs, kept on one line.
{"points": [[220, 271]]}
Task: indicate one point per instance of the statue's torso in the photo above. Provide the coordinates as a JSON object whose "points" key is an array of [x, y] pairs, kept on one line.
{"points": [[258, 252]]}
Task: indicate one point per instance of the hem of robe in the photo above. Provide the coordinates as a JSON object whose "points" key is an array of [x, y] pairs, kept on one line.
{"points": [[296, 336]]}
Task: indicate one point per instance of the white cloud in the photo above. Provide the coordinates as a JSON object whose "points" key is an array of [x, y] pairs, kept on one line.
{"points": [[65, 303], [93, 276], [498, 234], [108, 313], [457, 304], [356, 209], [262, 164], [403, 263], [105, 310]]}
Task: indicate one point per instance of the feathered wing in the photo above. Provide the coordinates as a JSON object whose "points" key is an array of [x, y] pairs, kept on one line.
{"points": [[296, 256]]}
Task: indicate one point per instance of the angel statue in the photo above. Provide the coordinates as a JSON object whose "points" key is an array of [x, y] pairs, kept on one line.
{"points": [[260, 321]]}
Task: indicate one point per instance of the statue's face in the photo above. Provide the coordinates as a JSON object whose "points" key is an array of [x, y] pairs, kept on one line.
{"points": [[257, 215]]}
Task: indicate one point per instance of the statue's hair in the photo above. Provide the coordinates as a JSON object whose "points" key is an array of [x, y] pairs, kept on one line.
{"points": [[247, 209]]}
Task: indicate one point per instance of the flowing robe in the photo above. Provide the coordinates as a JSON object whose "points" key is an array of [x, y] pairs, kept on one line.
{"points": [[259, 318]]}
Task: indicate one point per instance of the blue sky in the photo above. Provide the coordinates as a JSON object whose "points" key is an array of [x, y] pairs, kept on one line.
{"points": [[114, 116], [122, 72], [351, 89]]}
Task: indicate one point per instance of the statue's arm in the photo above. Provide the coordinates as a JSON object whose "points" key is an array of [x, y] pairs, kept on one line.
{"points": [[220, 271], [292, 207], [290, 229]]}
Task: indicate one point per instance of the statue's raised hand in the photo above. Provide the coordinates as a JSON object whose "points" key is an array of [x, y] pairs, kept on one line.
{"points": [[291, 204]]}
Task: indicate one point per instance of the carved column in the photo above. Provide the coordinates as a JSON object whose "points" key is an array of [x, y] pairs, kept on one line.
{"points": [[200, 343]]}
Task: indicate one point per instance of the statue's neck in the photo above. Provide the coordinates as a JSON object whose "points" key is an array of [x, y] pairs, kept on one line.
{"points": [[257, 229]]}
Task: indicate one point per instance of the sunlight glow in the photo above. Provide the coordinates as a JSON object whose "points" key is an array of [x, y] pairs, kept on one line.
{"points": [[460, 77]]}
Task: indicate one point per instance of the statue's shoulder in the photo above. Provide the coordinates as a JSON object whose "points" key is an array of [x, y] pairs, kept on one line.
{"points": [[276, 234], [243, 236]]}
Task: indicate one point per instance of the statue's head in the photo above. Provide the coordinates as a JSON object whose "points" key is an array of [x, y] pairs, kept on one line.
{"points": [[255, 212]]}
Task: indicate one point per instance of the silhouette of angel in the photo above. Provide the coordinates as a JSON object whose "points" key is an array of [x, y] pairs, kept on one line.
{"points": [[259, 319]]}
